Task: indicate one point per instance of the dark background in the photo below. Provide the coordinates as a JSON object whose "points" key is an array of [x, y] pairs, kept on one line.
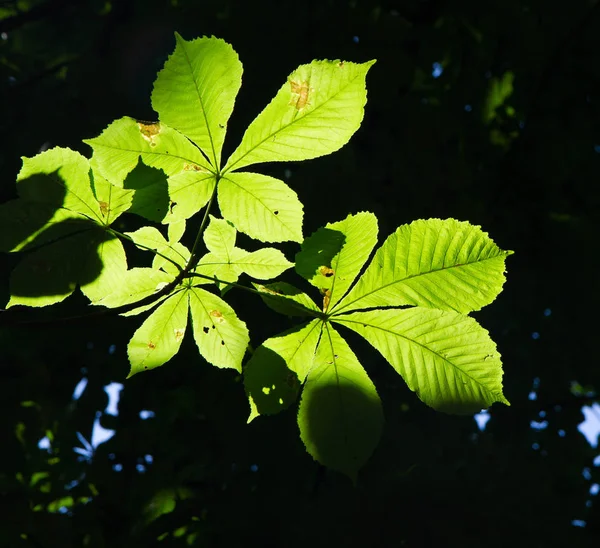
{"points": [[526, 168]]}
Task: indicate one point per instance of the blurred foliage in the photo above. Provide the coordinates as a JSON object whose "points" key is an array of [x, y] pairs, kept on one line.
{"points": [[486, 111]]}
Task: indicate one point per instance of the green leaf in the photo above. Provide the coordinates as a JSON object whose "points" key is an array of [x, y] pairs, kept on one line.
{"points": [[263, 207], [59, 177], [262, 264], [25, 224], [195, 92], [332, 257], [135, 285], [448, 359], [158, 339], [178, 255], [190, 192], [151, 192], [447, 264], [340, 415], [500, 89], [50, 274], [287, 299], [110, 253], [214, 266], [271, 387], [149, 238], [314, 113], [118, 149], [219, 237], [176, 231], [113, 201], [270, 376], [222, 338]]}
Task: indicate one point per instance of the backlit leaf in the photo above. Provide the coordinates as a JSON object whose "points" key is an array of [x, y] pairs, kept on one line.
{"points": [[314, 113], [270, 376], [448, 359], [449, 264], [263, 207], [340, 414], [158, 339], [222, 338], [205, 75], [119, 147], [59, 177], [287, 299], [332, 257]]}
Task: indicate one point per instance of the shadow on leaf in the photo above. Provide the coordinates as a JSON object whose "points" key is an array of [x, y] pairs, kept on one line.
{"points": [[151, 198]]}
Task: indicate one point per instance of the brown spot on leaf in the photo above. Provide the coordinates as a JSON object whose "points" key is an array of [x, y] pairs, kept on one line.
{"points": [[300, 94], [326, 271], [193, 167], [217, 316], [179, 333], [149, 131], [151, 345], [326, 298], [103, 208]]}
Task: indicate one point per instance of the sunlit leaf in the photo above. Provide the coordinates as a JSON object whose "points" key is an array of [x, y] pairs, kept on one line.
{"points": [[119, 147], [273, 375], [222, 338], [59, 177], [448, 359], [450, 265], [340, 415], [205, 75], [287, 299], [314, 113], [158, 339], [263, 207], [113, 201], [135, 285], [332, 257], [109, 251]]}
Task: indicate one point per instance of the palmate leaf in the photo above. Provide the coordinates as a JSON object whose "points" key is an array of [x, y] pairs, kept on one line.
{"points": [[227, 262], [447, 358], [273, 374], [205, 75], [445, 264], [262, 207], [314, 113], [340, 414], [332, 257], [158, 339]]}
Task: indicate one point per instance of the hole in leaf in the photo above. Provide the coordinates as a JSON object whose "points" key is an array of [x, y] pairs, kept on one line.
{"points": [[222, 343], [205, 329], [276, 212]]}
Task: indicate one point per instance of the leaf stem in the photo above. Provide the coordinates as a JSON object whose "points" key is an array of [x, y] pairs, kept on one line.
{"points": [[194, 255]]}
